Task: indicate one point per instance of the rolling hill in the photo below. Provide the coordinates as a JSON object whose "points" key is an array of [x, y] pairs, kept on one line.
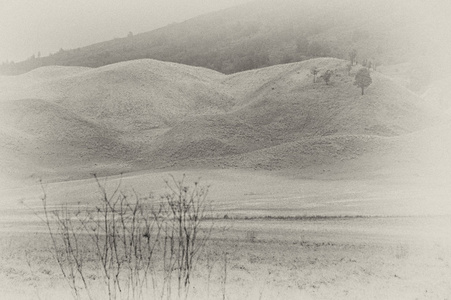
{"points": [[39, 137], [280, 104], [147, 114], [117, 95]]}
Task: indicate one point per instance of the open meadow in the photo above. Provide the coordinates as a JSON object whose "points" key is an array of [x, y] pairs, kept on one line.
{"points": [[273, 237]]}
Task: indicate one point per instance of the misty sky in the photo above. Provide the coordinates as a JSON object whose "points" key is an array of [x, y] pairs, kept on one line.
{"points": [[29, 26]]}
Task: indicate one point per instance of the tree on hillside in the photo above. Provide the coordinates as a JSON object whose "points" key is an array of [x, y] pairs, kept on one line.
{"points": [[326, 76], [314, 71], [363, 79]]}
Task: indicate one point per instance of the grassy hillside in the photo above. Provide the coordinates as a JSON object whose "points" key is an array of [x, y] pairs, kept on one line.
{"points": [[39, 137], [290, 105], [147, 114], [264, 33], [136, 95], [279, 110]]}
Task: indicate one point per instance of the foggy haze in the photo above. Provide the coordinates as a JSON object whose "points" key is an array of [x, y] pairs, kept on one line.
{"points": [[31, 26]]}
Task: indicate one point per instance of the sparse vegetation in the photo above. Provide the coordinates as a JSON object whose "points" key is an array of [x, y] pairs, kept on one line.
{"points": [[131, 241], [290, 261]]}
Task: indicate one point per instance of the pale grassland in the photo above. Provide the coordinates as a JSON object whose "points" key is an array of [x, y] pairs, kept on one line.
{"points": [[371, 258], [357, 242]]}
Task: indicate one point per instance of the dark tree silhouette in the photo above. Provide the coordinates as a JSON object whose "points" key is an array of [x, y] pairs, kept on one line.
{"points": [[363, 79]]}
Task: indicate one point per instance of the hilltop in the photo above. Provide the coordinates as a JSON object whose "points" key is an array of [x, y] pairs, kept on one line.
{"points": [[147, 114]]}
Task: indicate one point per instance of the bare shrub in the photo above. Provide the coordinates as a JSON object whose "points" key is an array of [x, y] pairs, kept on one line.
{"points": [[183, 209], [126, 241]]}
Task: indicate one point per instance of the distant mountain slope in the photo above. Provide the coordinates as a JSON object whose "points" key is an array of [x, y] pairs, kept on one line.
{"points": [[147, 114], [266, 32]]}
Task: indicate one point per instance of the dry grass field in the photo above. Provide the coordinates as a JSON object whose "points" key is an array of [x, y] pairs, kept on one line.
{"points": [[274, 237], [370, 258], [317, 192]]}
